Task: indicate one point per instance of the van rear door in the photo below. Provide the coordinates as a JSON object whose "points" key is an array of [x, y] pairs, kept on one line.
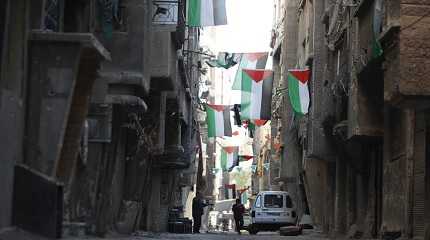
{"points": [[272, 208]]}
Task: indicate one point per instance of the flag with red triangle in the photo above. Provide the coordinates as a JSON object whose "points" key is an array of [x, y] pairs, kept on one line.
{"points": [[256, 100], [298, 90]]}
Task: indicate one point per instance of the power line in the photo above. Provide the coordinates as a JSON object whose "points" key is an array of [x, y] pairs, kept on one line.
{"points": [[417, 21]]}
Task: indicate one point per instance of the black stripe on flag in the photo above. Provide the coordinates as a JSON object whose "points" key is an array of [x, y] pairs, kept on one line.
{"points": [[227, 122], [266, 101], [261, 63]]}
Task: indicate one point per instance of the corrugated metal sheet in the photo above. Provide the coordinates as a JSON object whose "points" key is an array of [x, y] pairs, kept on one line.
{"points": [[419, 182]]}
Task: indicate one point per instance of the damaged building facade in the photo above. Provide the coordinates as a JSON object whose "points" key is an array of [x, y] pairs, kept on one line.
{"points": [[97, 112], [363, 148]]}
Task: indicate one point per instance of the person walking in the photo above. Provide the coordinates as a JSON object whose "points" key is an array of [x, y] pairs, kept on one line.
{"points": [[238, 211], [198, 210]]}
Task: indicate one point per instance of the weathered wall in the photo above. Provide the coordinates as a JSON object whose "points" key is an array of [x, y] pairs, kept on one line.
{"points": [[290, 159], [12, 103], [395, 195], [321, 109], [414, 47], [319, 192]]}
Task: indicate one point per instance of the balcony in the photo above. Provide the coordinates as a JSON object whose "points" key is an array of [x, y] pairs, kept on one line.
{"points": [[62, 70], [174, 136], [164, 62], [173, 157], [365, 101]]}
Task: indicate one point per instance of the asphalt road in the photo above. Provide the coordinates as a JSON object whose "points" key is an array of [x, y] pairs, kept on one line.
{"points": [[215, 236], [307, 235]]}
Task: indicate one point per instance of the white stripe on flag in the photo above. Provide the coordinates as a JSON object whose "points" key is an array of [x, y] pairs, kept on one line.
{"points": [[252, 64], [230, 160], [257, 93], [219, 123], [304, 97], [207, 13]]}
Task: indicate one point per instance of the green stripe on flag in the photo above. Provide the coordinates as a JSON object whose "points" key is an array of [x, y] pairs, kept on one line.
{"points": [[246, 96], [238, 78], [293, 91], [194, 12], [210, 119]]}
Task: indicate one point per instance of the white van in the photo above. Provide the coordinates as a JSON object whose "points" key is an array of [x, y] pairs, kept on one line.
{"points": [[270, 211]]}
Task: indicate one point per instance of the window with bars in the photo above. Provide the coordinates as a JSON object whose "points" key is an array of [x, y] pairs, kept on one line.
{"points": [[83, 15], [52, 15]]}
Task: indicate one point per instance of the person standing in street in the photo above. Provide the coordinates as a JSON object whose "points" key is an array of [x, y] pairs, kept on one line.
{"points": [[238, 211], [198, 210]]}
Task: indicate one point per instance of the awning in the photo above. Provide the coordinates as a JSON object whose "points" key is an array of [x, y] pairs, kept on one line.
{"points": [[224, 205]]}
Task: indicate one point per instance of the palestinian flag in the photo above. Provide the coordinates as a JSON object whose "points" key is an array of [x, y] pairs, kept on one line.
{"points": [[256, 98], [377, 24], [249, 61], [206, 13], [218, 120], [298, 89], [229, 158], [224, 60]]}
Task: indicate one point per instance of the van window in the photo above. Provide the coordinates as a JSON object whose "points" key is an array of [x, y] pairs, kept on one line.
{"points": [[258, 202], [273, 200]]}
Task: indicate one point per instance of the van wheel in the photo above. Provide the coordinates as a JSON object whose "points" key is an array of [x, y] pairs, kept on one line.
{"points": [[252, 230]]}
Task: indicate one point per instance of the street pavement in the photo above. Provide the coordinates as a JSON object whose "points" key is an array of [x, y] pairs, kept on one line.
{"points": [[17, 234], [215, 236]]}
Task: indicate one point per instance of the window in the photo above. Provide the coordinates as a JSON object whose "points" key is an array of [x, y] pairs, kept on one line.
{"points": [[273, 200], [258, 202], [52, 15]]}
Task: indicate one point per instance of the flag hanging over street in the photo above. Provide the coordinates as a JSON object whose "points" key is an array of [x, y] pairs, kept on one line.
{"points": [[298, 90], [229, 158], [256, 98], [218, 120], [249, 61], [203, 13], [225, 60]]}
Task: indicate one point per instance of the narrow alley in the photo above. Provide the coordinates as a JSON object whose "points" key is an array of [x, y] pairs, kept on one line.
{"points": [[202, 119]]}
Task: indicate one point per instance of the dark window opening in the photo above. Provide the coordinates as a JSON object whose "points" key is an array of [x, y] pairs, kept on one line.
{"points": [[52, 17], [77, 16], [119, 13], [2, 28]]}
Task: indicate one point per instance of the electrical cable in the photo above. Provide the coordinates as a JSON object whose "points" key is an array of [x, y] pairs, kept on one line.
{"points": [[417, 21]]}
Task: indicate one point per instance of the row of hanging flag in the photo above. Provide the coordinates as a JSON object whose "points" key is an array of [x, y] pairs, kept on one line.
{"points": [[256, 92], [230, 158], [254, 168]]}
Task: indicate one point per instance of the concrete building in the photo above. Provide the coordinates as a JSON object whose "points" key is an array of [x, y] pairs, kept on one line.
{"points": [[98, 115], [361, 150]]}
